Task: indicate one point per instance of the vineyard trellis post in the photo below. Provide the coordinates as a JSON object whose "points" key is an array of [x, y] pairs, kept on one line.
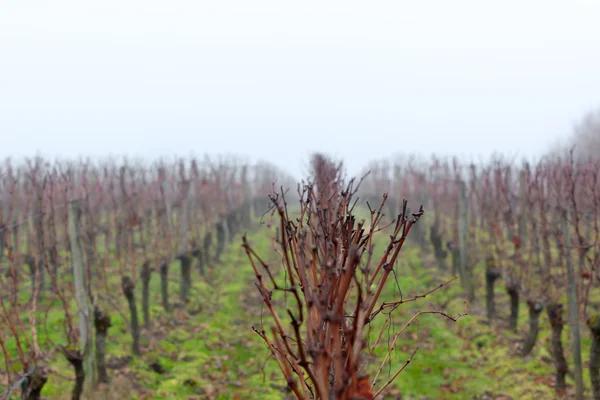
{"points": [[164, 191], [81, 293], [184, 255], [466, 277], [185, 216], [40, 259], [573, 310], [476, 216], [523, 207]]}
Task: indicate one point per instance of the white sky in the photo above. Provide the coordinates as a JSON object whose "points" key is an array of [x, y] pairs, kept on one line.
{"points": [[280, 79]]}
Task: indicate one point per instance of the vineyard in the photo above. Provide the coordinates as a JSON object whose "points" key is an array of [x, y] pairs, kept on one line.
{"points": [[218, 278]]}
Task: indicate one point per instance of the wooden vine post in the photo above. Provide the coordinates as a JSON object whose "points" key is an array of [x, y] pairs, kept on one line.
{"points": [[465, 274], [573, 310], [83, 306]]}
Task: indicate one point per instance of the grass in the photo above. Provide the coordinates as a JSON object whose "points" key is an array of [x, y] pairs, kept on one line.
{"points": [[214, 354]]}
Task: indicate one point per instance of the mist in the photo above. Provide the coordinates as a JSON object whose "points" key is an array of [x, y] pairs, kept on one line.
{"points": [[277, 81]]}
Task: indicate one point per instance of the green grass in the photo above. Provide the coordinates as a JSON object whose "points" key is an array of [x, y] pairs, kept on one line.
{"points": [[215, 354], [467, 358], [210, 353]]}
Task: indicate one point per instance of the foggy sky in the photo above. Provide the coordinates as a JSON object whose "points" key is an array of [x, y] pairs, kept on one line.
{"points": [[277, 80]]}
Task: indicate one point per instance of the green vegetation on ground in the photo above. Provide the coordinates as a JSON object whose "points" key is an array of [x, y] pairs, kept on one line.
{"points": [[208, 350]]}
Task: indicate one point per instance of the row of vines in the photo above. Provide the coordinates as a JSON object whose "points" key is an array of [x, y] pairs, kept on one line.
{"points": [[81, 237], [535, 227]]}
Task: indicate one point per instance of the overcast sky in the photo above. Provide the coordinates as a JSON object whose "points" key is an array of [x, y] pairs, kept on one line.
{"points": [[280, 79]]}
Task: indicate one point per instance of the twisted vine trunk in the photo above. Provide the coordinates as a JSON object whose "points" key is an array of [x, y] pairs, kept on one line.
{"points": [[206, 248], [145, 275], [164, 284], [101, 322], [129, 291], [594, 325], [417, 235], [491, 276], [455, 253], [220, 241], [31, 389], [29, 260], [438, 247], [554, 311], [53, 259], [186, 277], [231, 221], [197, 254], [535, 309], [513, 293], [75, 358]]}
